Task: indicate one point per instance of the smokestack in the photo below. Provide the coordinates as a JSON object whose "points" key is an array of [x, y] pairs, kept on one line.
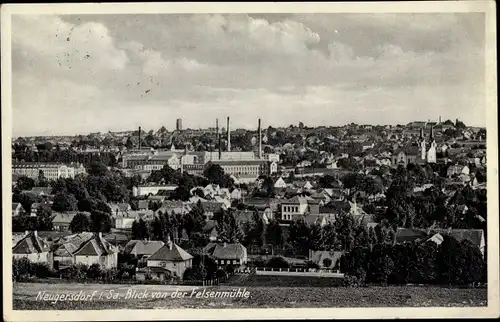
{"points": [[218, 137], [439, 119], [139, 138], [260, 141], [228, 136]]}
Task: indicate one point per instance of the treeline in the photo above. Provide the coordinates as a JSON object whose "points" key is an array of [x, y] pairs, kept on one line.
{"points": [[84, 193], [451, 263], [466, 209]]}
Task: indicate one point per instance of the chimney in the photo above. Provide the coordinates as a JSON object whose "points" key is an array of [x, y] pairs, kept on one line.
{"points": [[228, 136], [26, 232], [439, 119], [260, 141], [139, 138], [35, 233], [169, 242], [218, 137], [100, 235]]}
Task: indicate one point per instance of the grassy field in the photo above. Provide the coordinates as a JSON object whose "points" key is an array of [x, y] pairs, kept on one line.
{"points": [[25, 296]]}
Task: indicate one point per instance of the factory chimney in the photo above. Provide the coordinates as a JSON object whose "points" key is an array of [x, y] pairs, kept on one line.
{"points": [[140, 138], [260, 141], [228, 136], [218, 137]]}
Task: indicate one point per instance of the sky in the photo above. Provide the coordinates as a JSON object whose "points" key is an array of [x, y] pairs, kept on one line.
{"points": [[75, 74]]}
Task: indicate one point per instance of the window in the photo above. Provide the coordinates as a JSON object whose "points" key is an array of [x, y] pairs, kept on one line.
{"points": [[222, 262]]}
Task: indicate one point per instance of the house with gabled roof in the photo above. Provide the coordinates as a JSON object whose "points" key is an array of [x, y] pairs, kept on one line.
{"points": [[143, 205], [17, 209], [142, 248], [168, 261], [34, 248], [97, 250], [226, 254], [61, 221], [64, 248], [280, 183]]}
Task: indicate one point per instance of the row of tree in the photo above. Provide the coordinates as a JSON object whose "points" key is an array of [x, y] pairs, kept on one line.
{"points": [[451, 262]]}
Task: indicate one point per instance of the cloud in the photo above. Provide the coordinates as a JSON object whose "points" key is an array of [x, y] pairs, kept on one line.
{"points": [[324, 69]]}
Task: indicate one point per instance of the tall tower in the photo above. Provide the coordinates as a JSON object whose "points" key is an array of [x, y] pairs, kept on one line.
{"points": [[228, 136], [431, 153], [218, 138], [178, 125], [140, 143], [422, 144], [260, 141]]}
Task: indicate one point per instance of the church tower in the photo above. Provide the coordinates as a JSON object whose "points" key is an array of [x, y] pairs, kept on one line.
{"points": [[421, 142], [431, 153]]}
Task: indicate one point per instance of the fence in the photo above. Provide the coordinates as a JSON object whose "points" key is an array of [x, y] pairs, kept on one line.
{"points": [[291, 272], [253, 270]]}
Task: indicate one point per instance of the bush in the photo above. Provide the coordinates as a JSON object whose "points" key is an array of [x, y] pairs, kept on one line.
{"points": [[42, 270], [192, 274], [351, 281], [278, 262], [220, 273], [94, 271], [21, 268], [78, 272], [311, 264], [230, 269], [111, 274]]}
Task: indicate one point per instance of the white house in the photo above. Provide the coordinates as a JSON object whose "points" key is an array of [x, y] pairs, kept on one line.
{"points": [[280, 183], [97, 250], [227, 253], [294, 208], [34, 248], [168, 261]]}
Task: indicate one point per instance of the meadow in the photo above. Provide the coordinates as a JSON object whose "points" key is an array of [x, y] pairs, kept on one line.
{"points": [[25, 296]]}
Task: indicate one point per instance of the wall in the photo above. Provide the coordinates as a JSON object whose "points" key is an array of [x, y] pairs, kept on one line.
{"points": [[177, 267]]}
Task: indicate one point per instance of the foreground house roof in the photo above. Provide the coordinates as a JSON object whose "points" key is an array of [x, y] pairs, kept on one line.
{"points": [[173, 254]]}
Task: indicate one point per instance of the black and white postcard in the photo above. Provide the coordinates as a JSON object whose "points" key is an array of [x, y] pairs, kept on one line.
{"points": [[239, 160]]}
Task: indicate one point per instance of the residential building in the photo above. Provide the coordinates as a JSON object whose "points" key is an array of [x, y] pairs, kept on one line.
{"points": [[145, 190], [97, 250], [63, 249], [61, 221], [454, 170], [34, 248], [404, 156], [51, 171], [226, 254], [294, 208], [168, 261], [17, 209], [142, 248]]}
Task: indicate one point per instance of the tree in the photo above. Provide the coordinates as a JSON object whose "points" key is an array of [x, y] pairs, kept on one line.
{"points": [[230, 231], [64, 202], [80, 223], [97, 169], [274, 234], [140, 230], [42, 180], [215, 174], [256, 234], [25, 183], [299, 236], [268, 187], [278, 262]]}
